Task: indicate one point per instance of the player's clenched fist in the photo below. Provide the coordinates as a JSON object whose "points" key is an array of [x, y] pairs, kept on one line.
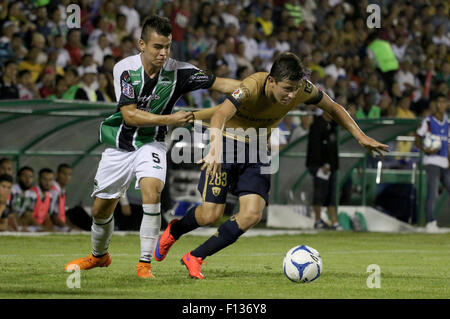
{"points": [[182, 118]]}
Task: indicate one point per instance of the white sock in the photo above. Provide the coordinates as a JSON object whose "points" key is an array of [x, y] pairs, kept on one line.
{"points": [[150, 226], [101, 232]]}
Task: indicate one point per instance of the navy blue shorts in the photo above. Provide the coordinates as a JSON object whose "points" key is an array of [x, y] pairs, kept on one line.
{"points": [[237, 177]]}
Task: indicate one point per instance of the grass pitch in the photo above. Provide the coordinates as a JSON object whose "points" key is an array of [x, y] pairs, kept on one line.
{"points": [[412, 266]]}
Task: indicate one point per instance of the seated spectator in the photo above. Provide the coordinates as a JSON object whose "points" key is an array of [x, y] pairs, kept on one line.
{"points": [[27, 89], [197, 44], [133, 17], [404, 77], [74, 46], [30, 63], [5, 193], [86, 91], [38, 41], [231, 15], [63, 57], [72, 82], [57, 24], [267, 49], [47, 82], [368, 110], [6, 51], [100, 49], [336, 69], [105, 91], [25, 180], [58, 190], [248, 38], [120, 30], [6, 166], [8, 81], [241, 59], [303, 128], [216, 59], [37, 211], [101, 28], [60, 88], [17, 47]]}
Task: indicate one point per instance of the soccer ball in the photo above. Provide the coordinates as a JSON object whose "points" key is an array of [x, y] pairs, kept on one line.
{"points": [[302, 264], [432, 141]]}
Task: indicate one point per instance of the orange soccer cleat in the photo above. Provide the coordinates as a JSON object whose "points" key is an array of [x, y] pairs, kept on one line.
{"points": [[193, 265], [165, 241], [89, 262], [144, 270]]}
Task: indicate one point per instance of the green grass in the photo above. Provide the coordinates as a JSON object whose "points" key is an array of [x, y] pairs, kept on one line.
{"points": [[412, 266]]}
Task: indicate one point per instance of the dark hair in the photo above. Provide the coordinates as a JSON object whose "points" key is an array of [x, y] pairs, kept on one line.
{"points": [[441, 95], [24, 168], [63, 166], [287, 66], [45, 170], [5, 160], [161, 25], [71, 69], [6, 177]]}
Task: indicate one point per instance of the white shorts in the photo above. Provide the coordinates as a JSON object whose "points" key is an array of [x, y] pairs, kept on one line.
{"points": [[118, 168]]}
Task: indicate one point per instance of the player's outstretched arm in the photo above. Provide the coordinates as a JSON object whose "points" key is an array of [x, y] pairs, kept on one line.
{"points": [[341, 116], [135, 117], [225, 85], [212, 161]]}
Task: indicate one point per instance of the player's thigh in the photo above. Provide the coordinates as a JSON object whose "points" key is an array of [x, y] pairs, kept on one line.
{"points": [[103, 208], [114, 174], [251, 207], [151, 166]]}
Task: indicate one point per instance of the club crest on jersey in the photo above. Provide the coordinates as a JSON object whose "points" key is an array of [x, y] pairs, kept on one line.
{"points": [[127, 90], [164, 81], [216, 191], [237, 94]]}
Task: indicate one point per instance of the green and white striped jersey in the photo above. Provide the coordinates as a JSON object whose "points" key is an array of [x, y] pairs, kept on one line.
{"points": [[158, 96]]}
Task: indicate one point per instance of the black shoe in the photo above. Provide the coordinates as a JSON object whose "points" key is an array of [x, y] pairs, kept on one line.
{"points": [[320, 224]]}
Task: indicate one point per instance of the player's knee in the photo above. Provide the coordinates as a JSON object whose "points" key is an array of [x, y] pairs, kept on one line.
{"points": [[207, 215], [249, 218]]}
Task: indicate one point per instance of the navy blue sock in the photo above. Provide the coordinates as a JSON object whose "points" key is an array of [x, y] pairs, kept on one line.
{"points": [[185, 225], [227, 234]]}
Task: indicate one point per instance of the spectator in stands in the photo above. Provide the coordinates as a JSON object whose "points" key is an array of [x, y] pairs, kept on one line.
{"points": [[215, 60], [100, 49], [336, 69], [58, 196], [6, 52], [231, 15], [436, 161], [38, 203], [197, 44], [18, 49], [105, 91], [74, 46], [31, 63], [322, 162], [5, 193], [8, 81], [248, 38], [180, 20], [88, 85], [120, 31], [264, 23], [60, 88], [47, 81], [72, 81], [6, 166], [27, 89], [133, 17], [303, 128], [25, 180], [404, 77], [242, 61], [204, 15], [101, 29], [57, 24]]}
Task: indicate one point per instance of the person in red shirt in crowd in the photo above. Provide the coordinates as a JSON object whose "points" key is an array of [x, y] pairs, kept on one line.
{"points": [[74, 46]]}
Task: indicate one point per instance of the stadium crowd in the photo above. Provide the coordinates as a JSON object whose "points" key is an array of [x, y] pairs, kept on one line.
{"points": [[397, 70]]}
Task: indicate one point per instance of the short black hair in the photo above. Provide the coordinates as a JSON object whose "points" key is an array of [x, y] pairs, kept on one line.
{"points": [[45, 170], [5, 160], [63, 166], [24, 168], [156, 23], [287, 66], [6, 177]]}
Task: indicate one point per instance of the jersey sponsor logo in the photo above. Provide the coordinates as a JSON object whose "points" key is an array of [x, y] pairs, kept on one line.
{"points": [[199, 76], [146, 100], [127, 90], [164, 81], [308, 86], [157, 167]]}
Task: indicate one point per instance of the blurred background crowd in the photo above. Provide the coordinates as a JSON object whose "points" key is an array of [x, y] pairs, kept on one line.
{"points": [[41, 57]]}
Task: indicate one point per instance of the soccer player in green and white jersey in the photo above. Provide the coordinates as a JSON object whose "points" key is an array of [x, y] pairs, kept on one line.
{"points": [[147, 86]]}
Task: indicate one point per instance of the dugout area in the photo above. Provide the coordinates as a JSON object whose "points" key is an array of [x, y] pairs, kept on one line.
{"points": [[45, 133]]}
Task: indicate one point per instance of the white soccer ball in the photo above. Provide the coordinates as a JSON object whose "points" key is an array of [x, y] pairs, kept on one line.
{"points": [[302, 264], [432, 141]]}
